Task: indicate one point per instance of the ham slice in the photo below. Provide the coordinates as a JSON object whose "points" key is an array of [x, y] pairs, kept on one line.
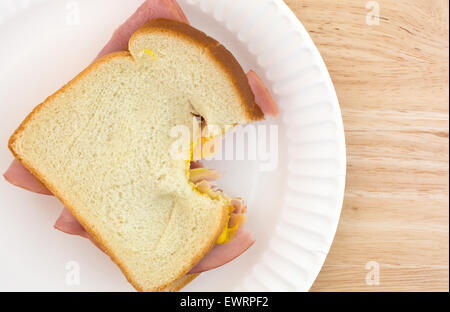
{"points": [[223, 254], [152, 9], [19, 176], [262, 95], [68, 224]]}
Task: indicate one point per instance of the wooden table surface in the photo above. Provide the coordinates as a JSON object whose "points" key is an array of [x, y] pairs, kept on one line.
{"points": [[393, 87]]}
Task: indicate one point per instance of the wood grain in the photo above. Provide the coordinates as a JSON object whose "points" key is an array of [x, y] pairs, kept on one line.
{"points": [[393, 87]]}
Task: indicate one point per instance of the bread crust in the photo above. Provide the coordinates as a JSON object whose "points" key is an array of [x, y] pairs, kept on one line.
{"points": [[236, 74]]}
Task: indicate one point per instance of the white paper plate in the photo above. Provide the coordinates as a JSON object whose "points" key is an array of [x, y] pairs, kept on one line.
{"points": [[293, 211]]}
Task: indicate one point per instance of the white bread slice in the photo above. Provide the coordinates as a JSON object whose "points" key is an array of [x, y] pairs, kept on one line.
{"points": [[101, 144]]}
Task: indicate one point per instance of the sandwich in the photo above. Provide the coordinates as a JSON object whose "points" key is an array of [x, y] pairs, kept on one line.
{"points": [[102, 145]]}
